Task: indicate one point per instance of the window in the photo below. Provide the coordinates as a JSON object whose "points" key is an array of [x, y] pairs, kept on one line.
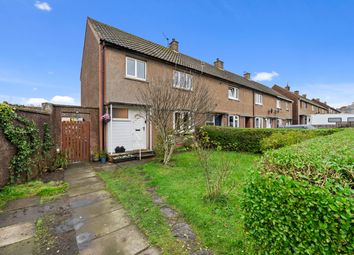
{"points": [[120, 113], [350, 119], [313, 108], [287, 106], [182, 80], [335, 120], [258, 122], [258, 99], [182, 121], [135, 69], [233, 93], [234, 121], [210, 120], [278, 104]]}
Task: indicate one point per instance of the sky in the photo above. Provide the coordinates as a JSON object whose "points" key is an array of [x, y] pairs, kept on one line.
{"points": [[306, 44]]}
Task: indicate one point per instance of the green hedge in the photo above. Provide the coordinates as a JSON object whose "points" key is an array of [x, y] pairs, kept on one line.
{"points": [[250, 139], [301, 201]]}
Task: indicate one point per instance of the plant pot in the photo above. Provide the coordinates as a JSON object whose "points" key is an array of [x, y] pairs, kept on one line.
{"points": [[103, 160], [95, 159]]}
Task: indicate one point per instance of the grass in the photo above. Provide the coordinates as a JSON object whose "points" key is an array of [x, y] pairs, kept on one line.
{"points": [[46, 191], [219, 226], [129, 187]]}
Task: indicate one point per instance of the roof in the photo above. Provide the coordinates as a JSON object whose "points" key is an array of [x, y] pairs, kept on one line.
{"points": [[299, 97], [325, 105], [134, 43]]}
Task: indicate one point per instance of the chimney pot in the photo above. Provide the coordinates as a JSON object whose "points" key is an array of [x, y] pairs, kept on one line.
{"points": [[174, 45], [247, 75], [304, 95], [219, 64], [296, 92]]}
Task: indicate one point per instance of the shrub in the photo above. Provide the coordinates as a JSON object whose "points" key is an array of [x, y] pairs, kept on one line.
{"points": [[301, 201], [250, 140]]}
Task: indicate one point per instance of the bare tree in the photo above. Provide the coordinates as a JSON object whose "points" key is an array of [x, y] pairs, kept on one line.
{"points": [[161, 101]]}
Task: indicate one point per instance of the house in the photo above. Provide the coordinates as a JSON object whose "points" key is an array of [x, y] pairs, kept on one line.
{"points": [[303, 107], [330, 109], [116, 64]]}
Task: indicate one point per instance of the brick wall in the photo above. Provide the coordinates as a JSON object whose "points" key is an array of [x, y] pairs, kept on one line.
{"points": [[51, 114]]}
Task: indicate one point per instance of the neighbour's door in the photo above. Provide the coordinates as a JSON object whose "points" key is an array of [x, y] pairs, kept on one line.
{"points": [[218, 119]]}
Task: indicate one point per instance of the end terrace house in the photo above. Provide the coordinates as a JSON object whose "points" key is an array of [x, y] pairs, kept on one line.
{"points": [[116, 65]]}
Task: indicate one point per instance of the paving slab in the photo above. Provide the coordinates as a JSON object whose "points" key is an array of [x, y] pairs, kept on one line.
{"points": [[86, 181], [96, 209], [150, 251], [24, 247], [127, 241], [87, 188], [88, 199], [100, 225], [16, 233], [22, 203], [79, 175]]}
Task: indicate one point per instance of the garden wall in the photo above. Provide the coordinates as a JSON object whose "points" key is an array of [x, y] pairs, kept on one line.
{"points": [[52, 115]]}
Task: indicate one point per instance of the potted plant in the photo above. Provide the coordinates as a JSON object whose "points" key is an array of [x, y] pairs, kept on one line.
{"points": [[103, 156], [96, 157]]}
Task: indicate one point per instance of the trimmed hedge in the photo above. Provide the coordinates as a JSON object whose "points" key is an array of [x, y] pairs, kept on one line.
{"points": [[250, 139], [301, 201]]}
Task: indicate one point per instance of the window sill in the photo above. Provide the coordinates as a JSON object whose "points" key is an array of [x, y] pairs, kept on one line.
{"points": [[258, 104], [136, 79], [182, 88], [234, 99]]}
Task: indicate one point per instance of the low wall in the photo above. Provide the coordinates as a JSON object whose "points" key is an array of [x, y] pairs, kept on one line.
{"points": [[52, 115]]}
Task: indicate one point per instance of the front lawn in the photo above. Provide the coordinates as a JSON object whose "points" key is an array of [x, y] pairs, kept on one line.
{"points": [[219, 226]]}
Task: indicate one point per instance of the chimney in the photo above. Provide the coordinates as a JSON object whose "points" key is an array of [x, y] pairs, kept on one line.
{"points": [[325, 102], [304, 95], [247, 75], [296, 92], [219, 64], [317, 99], [174, 45], [287, 87]]}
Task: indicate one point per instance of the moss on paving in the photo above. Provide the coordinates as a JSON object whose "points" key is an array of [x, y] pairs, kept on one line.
{"points": [[46, 191], [44, 241]]}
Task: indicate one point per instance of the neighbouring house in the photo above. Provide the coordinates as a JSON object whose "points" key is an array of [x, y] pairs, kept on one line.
{"points": [[330, 109], [303, 107], [116, 65]]}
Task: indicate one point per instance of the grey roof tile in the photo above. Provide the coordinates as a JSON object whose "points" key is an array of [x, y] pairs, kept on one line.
{"points": [[123, 39]]}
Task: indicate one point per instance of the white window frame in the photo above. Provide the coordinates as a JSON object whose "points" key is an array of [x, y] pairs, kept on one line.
{"points": [[258, 99], [235, 121], [312, 107], [269, 122], [135, 76], [236, 94], [279, 123], [177, 80], [278, 104], [260, 121], [190, 128], [287, 106]]}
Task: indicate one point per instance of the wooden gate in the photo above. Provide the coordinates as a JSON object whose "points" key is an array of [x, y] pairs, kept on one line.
{"points": [[75, 139]]}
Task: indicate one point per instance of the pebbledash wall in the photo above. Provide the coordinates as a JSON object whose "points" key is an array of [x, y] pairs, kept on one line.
{"points": [[52, 115]]}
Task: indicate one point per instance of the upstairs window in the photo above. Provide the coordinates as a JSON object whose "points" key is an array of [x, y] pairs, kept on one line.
{"points": [[313, 108], [258, 99], [233, 93], [135, 69], [287, 106], [182, 80], [278, 104], [234, 121]]}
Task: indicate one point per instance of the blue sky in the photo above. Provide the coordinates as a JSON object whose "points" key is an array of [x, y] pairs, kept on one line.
{"points": [[308, 44]]}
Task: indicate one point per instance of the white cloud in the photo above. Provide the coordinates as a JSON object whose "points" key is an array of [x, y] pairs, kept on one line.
{"points": [[43, 6], [62, 100], [37, 101], [264, 76]]}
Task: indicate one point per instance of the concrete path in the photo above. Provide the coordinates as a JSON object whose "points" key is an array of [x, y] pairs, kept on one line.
{"points": [[102, 226]]}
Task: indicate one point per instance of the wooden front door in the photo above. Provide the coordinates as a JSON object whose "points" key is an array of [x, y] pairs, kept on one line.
{"points": [[75, 140]]}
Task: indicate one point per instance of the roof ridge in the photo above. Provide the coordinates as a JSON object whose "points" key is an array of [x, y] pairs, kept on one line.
{"points": [[176, 57]]}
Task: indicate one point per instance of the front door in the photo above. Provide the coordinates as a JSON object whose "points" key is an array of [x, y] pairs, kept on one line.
{"points": [[138, 131], [218, 119]]}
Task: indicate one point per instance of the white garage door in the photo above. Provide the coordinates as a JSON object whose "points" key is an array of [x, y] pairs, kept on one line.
{"points": [[130, 133]]}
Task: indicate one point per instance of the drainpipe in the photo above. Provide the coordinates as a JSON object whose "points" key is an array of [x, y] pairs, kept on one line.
{"points": [[254, 119], [101, 93]]}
